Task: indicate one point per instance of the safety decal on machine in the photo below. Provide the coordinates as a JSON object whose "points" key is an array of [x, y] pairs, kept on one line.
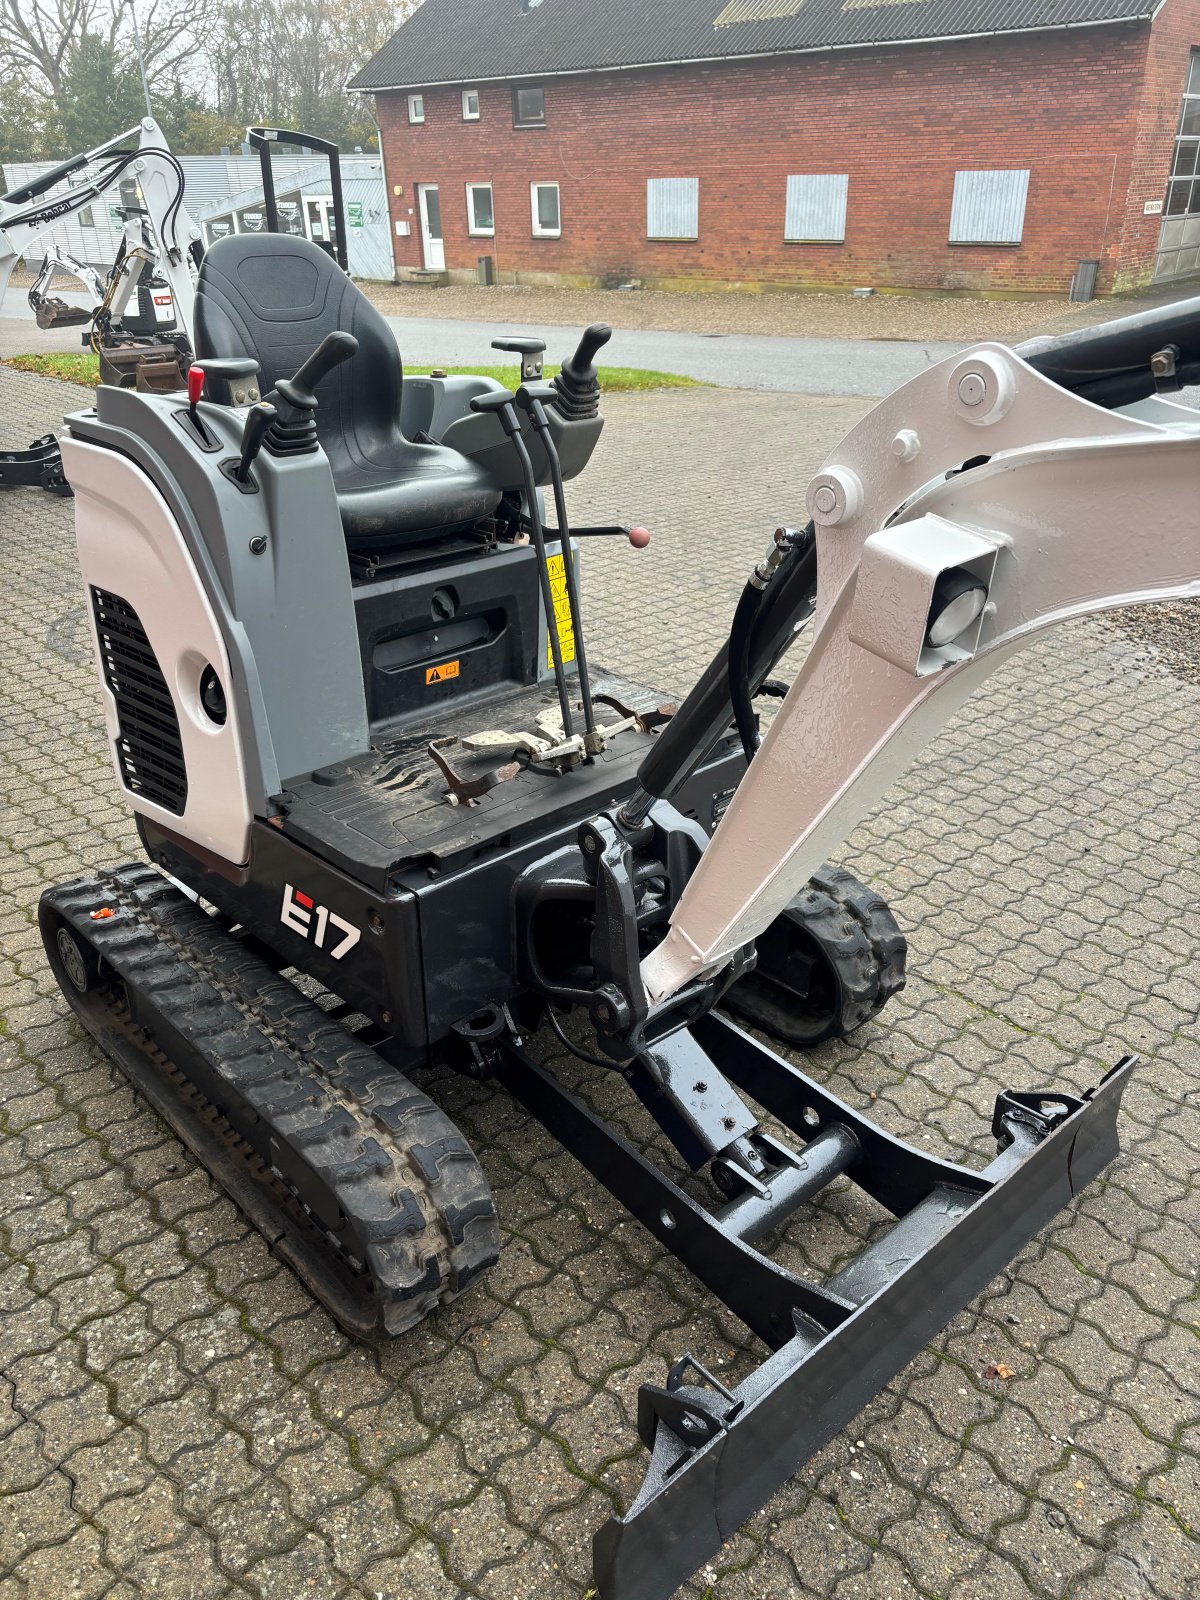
{"points": [[448, 669], [556, 567]]}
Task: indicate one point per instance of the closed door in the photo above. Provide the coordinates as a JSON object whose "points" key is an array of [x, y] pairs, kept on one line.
{"points": [[431, 227]]}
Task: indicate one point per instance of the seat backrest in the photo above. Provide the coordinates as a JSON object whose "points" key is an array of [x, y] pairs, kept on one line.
{"points": [[275, 297]]}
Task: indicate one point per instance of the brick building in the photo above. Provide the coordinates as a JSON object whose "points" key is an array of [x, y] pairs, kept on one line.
{"points": [[923, 144]]}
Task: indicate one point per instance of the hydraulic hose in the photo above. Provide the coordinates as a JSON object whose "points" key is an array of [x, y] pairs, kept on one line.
{"points": [[741, 638], [741, 634], [1111, 364], [786, 606]]}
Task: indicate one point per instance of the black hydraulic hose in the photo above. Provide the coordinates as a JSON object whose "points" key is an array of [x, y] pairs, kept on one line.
{"points": [[541, 423], [787, 604], [1110, 364], [741, 637]]}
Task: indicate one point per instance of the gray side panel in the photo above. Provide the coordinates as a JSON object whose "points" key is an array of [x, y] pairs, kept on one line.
{"points": [[287, 615]]}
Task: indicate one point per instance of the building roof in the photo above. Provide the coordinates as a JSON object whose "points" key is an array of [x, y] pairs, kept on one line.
{"points": [[470, 41]]}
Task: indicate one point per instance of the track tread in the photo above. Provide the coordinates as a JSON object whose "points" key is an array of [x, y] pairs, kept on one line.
{"points": [[859, 935], [348, 1137]]}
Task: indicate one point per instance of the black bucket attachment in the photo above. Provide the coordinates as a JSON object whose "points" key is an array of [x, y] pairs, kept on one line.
{"points": [[718, 1454], [55, 313]]}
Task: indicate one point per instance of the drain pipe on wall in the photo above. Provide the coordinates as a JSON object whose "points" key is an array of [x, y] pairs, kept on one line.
{"points": [[387, 196]]}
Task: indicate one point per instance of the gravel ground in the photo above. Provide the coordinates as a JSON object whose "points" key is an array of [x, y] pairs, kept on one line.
{"points": [[816, 316], [1169, 633]]}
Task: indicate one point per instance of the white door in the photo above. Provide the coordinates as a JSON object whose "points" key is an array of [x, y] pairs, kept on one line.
{"points": [[431, 227]]}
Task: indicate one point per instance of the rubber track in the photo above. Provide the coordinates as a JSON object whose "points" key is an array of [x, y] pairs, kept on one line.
{"points": [[859, 935], [355, 1176]]}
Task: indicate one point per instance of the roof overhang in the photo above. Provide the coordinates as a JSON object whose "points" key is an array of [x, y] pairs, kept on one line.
{"points": [[1148, 15]]}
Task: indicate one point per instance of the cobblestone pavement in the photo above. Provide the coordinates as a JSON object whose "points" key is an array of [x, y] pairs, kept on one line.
{"points": [[178, 1421]]}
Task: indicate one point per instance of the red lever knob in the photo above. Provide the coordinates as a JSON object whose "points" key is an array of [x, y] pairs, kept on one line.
{"points": [[195, 382], [639, 538]]}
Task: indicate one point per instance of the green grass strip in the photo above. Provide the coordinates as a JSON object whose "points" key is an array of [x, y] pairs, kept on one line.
{"points": [[81, 366]]}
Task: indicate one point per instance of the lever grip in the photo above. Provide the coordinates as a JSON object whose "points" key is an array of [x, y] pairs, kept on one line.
{"points": [[258, 419], [493, 400], [333, 349], [594, 339], [523, 345]]}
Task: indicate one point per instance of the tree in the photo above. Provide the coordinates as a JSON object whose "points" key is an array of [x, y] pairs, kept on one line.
{"points": [[23, 132], [291, 70], [38, 37], [101, 94], [214, 66]]}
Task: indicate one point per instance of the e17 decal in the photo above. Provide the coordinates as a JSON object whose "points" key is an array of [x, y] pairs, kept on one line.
{"points": [[302, 915]]}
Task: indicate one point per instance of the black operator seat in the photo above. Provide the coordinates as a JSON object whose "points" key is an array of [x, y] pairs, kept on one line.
{"points": [[275, 297]]}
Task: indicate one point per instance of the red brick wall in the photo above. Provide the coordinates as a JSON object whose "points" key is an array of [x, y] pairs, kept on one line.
{"points": [[899, 121], [1175, 33]]}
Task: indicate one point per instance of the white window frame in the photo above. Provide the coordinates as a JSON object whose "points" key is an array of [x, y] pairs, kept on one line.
{"points": [[657, 195], [467, 114], [474, 231], [964, 203], [813, 190], [416, 109], [538, 231]]}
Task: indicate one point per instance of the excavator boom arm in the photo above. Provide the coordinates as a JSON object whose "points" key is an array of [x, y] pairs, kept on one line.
{"points": [[981, 484]]}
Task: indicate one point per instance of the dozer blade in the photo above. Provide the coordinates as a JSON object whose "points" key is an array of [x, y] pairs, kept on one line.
{"points": [[717, 1454], [353, 1175]]}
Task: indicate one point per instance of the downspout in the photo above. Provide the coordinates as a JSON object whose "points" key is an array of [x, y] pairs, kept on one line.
{"points": [[387, 188]]}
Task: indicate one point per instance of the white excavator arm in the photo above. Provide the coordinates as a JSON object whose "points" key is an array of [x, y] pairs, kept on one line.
{"points": [[926, 584], [31, 212]]}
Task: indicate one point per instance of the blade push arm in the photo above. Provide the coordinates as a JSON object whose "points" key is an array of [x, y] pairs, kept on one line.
{"points": [[1069, 509]]}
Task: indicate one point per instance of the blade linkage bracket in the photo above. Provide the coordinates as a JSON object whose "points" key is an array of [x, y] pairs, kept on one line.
{"points": [[1035, 1114], [685, 1409]]}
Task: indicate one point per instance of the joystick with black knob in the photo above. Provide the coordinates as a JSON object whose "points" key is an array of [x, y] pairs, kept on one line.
{"points": [[294, 431], [578, 384]]}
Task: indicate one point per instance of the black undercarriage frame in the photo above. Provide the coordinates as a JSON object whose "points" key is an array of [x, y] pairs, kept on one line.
{"points": [[717, 1454]]}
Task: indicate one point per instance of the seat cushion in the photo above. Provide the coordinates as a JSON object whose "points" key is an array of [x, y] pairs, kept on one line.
{"points": [[422, 487], [275, 297]]}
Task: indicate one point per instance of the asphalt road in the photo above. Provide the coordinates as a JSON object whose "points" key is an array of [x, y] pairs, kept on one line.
{"points": [[737, 361]]}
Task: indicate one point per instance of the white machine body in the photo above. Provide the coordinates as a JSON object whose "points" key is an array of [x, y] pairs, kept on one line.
{"points": [[1050, 523], [130, 547]]}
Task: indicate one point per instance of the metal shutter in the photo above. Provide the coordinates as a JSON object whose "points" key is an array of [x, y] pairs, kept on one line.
{"points": [[672, 208], [816, 208], [989, 207]]}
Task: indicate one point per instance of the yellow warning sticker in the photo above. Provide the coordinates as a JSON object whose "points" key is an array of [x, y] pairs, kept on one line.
{"points": [[448, 669], [556, 567]]}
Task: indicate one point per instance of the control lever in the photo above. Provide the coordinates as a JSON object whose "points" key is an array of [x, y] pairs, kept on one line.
{"points": [[333, 349], [578, 384], [195, 389], [530, 349], [501, 404], [294, 431], [258, 419], [532, 398]]}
